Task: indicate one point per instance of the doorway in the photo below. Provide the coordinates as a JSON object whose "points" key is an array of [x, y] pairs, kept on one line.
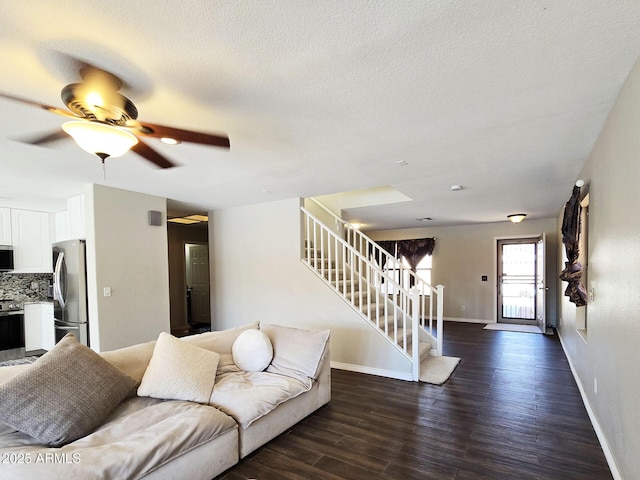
{"points": [[198, 292], [521, 281]]}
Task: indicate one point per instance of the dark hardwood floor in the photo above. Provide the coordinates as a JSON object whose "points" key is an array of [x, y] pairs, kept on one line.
{"points": [[511, 410]]}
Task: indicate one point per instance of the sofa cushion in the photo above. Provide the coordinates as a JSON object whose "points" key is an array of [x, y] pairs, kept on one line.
{"points": [[179, 371], [64, 395], [252, 351], [248, 396], [296, 353], [139, 436], [222, 343], [132, 360]]}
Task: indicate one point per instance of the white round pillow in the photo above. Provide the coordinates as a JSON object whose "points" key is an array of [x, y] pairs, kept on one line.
{"points": [[252, 351]]}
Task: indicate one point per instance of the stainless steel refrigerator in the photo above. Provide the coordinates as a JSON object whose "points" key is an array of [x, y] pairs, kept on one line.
{"points": [[70, 290]]}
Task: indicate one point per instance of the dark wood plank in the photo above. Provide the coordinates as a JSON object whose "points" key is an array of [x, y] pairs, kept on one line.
{"points": [[511, 410]]}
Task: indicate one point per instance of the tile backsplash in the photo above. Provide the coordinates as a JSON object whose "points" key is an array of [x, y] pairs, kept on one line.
{"points": [[25, 287]]}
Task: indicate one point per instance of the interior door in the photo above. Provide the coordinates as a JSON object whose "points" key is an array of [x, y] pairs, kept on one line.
{"points": [[198, 280], [520, 275]]}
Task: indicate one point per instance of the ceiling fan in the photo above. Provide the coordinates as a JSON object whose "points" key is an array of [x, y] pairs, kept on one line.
{"points": [[104, 122]]}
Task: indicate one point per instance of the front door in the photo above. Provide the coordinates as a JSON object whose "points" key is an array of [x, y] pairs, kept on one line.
{"points": [[521, 281], [541, 318]]}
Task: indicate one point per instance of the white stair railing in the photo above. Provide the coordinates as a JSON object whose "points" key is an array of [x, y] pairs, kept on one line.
{"points": [[352, 274], [431, 321]]}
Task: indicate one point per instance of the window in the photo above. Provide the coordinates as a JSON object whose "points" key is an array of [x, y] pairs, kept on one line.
{"points": [[583, 245], [423, 271]]}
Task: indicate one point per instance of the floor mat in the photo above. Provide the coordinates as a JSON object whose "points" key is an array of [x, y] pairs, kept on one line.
{"points": [[508, 327], [437, 370]]}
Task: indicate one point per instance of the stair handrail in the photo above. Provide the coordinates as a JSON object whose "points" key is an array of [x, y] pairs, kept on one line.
{"points": [[358, 254], [399, 290], [364, 243], [371, 246]]}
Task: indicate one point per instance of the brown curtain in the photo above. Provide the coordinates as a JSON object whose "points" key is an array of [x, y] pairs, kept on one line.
{"points": [[388, 246], [416, 250], [572, 272]]}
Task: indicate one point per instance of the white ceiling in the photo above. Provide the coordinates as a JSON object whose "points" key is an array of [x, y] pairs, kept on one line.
{"points": [[504, 98]]}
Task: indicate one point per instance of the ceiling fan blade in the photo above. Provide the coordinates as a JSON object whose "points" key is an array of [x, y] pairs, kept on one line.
{"points": [[161, 131], [49, 108], [49, 137], [150, 154]]}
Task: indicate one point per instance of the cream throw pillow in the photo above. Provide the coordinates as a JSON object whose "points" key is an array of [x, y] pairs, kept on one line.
{"points": [[296, 352], [179, 371], [252, 351]]}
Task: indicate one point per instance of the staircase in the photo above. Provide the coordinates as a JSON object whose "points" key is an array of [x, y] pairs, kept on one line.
{"points": [[343, 258]]}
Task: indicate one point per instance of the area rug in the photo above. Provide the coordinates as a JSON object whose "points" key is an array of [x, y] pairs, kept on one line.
{"points": [[508, 327], [19, 361], [437, 370]]}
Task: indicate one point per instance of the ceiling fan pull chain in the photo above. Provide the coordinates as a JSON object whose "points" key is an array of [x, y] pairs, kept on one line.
{"points": [[103, 157]]}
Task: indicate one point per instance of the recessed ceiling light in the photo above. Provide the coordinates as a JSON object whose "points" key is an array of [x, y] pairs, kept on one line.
{"points": [[402, 163], [183, 220], [198, 218], [455, 188], [169, 141]]}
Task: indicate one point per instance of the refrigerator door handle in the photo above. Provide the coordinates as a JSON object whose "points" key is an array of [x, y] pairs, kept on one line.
{"points": [[57, 290], [67, 328]]}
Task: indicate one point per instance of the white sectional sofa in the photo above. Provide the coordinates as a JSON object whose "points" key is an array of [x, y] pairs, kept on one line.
{"points": [[149, 434]]}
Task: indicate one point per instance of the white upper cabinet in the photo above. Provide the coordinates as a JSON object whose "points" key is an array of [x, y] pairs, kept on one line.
{"points": [[31, 241], [70, 223], [75, 217], [5, 226]]}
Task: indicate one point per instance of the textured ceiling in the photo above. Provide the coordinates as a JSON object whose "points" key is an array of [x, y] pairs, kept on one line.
{"points": [[504, 98]]}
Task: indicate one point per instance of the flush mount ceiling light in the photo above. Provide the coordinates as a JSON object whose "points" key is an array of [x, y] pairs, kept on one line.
{"points": [[100, 139], [455, 188], [516, 217]]}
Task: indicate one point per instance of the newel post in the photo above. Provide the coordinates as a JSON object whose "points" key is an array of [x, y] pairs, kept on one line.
{"points": [[439, 318], [415, 333]]}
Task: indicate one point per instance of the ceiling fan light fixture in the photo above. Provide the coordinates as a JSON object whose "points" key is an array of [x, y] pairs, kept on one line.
{"points": [[516, 217], [99, 138]]}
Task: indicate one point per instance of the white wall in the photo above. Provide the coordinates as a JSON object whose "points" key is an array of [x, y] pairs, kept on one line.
{"points": [[127, 254], [610, 353], [463, 254], [257, 275]]}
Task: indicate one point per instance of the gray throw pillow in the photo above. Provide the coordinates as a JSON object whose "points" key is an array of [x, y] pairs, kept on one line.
{"points": [[65, 395]]}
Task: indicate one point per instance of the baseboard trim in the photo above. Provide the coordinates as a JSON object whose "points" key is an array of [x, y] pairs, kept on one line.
{"points": [[466, 320], [592, 416], [372, 371]]}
